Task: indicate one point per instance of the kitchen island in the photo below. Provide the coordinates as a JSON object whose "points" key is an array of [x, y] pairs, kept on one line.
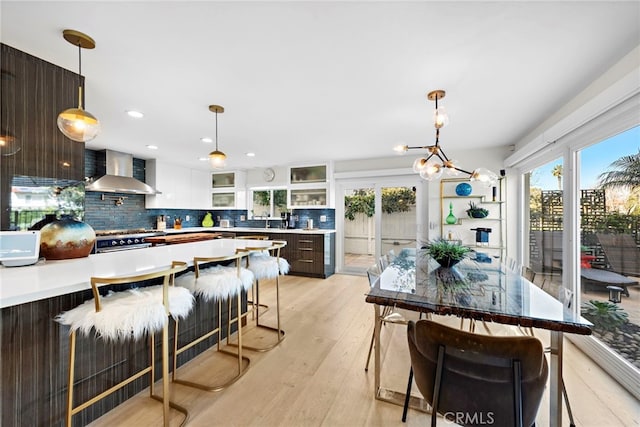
{"points": [[35, 347]]}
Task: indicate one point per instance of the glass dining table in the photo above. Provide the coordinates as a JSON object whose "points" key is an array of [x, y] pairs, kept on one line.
{"points": [[488, 292]]}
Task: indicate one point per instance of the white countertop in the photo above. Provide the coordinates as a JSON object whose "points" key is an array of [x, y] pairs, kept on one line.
{"points": [[48, 279], [248, 229]]}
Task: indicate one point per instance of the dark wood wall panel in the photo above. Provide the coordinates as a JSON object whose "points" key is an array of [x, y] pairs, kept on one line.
{"points": [[34, 92]]}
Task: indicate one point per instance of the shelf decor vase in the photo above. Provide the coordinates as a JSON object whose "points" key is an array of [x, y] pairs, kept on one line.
{"points": [[208, 220], [66, 238], [463, 189], [451, 218]]}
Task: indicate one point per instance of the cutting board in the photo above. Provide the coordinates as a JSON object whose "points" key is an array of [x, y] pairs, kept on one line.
{"points": [[180, 238]]}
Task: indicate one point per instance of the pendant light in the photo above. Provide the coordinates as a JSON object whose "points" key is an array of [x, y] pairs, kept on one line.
{"points": [[436, 162], [76, 123], [8, 144], [217, 158]]}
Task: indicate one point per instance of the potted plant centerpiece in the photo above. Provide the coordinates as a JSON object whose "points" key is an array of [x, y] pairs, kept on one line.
{"points": [[447, 253], [476, 211]]}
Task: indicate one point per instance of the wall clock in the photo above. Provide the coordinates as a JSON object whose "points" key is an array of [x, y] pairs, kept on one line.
{"points": [[268, 174]]}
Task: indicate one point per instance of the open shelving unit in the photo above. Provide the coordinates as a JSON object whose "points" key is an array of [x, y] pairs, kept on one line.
{"points": [[461, 229]]}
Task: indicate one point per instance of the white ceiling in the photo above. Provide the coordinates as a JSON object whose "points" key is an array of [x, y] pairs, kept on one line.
{"points": [[313, 81]]}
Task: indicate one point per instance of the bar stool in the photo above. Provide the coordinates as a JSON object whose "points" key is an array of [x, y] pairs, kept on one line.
{"points": [[252, 301], [266, 263], [216, 283], [129, 315]]}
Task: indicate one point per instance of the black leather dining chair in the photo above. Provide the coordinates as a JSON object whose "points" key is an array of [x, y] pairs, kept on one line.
{"points": [[474, 379]]}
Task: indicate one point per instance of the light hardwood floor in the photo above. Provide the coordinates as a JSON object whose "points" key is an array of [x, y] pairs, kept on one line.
{"points": [[316, 376]]}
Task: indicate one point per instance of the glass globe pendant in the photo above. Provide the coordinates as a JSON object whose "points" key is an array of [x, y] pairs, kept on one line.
{"points": [[76, 123]]}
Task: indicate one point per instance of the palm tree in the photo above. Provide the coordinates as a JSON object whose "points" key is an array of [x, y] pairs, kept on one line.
{"points": [[622, 173], [557, 172]]}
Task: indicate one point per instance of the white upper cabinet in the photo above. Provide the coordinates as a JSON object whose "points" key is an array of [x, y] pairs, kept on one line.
{"points": [[180, 187]]}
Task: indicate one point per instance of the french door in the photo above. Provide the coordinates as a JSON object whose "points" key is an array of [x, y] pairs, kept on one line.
{"points": [[373, 218]]}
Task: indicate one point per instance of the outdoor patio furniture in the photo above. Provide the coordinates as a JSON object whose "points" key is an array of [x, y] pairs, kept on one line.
{"points": [[621, 252], [604, 278]]}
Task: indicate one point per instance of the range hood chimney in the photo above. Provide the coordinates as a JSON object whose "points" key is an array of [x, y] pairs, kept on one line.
{"points": [[115, 172]]}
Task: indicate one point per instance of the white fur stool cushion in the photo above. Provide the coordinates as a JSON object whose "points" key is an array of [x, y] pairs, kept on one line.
{"points": [[265, 266], [217, 282], [129, 314]]}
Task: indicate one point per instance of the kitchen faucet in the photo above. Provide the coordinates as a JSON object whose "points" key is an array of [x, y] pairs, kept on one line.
{"points": [[266, 219]]}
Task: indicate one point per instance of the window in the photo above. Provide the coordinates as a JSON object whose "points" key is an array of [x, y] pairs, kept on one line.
{"points": [[545, 225], [610, 238], [269, 203]]}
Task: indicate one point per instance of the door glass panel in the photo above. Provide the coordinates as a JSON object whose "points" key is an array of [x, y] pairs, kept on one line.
{"points": [[545, 226], [610, 238], [359, 229], [398, 220]]}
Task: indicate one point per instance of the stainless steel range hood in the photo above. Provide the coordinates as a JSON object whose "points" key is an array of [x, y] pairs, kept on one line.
{"points": [[115, 172]]}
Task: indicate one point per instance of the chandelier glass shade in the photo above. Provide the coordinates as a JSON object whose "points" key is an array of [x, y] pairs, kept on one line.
{"points": [[76, 123], [217, 158], [435, 163]]}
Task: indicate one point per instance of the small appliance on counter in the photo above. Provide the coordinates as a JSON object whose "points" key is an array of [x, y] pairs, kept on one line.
{"points": [[161, 223], [288, 220], [225, 223], [19, 248], [309, 224]]}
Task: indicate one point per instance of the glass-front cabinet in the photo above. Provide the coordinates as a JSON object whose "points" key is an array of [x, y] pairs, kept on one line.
{"points": [[313, 197], [228, 190], [223, 180], [308, 186], [223, 200], [308, 174]]}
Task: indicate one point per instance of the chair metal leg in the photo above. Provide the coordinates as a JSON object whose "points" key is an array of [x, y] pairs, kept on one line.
{"points": [[243, 361], [72, 362], [566, 401], [366, 367], [255, 302], [71, 410], [407, 396], [277, 329]]}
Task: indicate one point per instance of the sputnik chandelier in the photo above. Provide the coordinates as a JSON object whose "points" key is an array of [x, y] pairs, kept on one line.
{"points": [[437, 163]]}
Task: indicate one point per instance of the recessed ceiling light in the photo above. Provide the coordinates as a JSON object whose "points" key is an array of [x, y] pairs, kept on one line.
{"points": [[203, 159], [251, 154], [135, 114], [206, 139], [152, 147]]}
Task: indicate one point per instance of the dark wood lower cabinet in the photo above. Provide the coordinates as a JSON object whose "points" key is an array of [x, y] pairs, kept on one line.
{"points": [[310, 255], [35, 353]]}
